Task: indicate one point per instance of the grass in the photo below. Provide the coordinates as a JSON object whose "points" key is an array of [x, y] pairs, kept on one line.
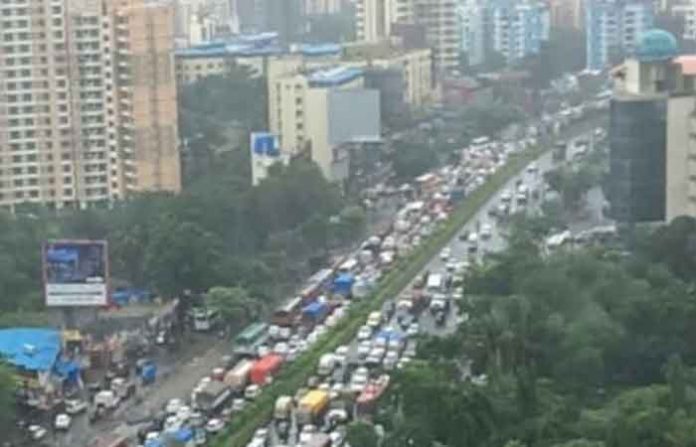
{"points": [[295, 375]]}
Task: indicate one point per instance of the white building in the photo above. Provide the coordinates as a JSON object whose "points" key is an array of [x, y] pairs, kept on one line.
{"points": [[518, 29], [473, 21], [316, 112], [374, 18]]}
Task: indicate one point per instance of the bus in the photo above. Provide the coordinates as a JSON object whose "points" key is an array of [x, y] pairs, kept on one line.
{"points": [[287, 314], [251, 338], [315, 284], [204, 319]]}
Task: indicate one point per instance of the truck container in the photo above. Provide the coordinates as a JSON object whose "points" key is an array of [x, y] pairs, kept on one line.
{"points": [[238, 377], [282, 408], [212, 396], [312, 406], [264, 368], [314, 313]]}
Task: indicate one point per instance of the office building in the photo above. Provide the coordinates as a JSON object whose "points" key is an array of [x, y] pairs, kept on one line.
{"points": [[87, 102], [652, 143], [199, 21], [613, 28], [316, 112]]}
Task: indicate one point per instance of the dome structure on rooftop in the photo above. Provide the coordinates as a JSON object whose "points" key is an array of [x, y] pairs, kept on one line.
{"points": [[656, 45]]}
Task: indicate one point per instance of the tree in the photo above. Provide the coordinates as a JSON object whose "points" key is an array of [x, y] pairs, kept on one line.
{"points": [[235, 305], [411, 159], [7, 400], [362, 434]]}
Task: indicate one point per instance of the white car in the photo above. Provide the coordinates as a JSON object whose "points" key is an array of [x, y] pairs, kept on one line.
{"points": [[390, 360], [62, 422], [445, 254], [238, 405], [173, 406], [75, 406], [36, 432], [214, 425], [284, 333], [263, 351], [364, 349], [364, 333], [337, 438], [359, 380], [184, 413], [341, 354], [252, 392], [486, 231], [413, 330], [281, 349]]}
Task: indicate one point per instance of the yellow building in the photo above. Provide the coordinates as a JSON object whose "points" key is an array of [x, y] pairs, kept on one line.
{"points": [[87, 102]]}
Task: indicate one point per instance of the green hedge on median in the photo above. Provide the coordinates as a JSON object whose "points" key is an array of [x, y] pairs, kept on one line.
{"points": [[295, 375]]}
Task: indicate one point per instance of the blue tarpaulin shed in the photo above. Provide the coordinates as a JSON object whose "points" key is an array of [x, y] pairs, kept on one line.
{"points": [[68, 370], [31, 349], [184, 435]]}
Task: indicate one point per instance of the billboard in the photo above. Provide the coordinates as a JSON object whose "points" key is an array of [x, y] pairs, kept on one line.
{"points": [[76, 273]]}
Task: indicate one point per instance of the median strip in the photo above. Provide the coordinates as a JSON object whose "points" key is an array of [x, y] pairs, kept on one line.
{"points": [[295, 375]]}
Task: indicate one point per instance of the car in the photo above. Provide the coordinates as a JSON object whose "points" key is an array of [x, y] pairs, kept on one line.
{"points": [[252, 392], [390, 360], [359, 380], [445, 254], [413, 329], [36, 432], [184, 413], [364, 349], [364, 333], [214, 425], [341, 354], [281, 349], [337, 438], [173, 406], [75, 406], [238, 405], [292, 354], [263, 351], [486, 231], [284, 333], [261, 433], [62, 422]]}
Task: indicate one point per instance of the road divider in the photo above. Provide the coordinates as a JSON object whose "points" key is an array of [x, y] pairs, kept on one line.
{"points": [[294, 376]]}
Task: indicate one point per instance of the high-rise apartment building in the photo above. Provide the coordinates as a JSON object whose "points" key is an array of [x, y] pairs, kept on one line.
{"points": [[439, 17], [567, 13], [374, 18], [322, 7], [512, 29], [87, 101], [613, 28]]}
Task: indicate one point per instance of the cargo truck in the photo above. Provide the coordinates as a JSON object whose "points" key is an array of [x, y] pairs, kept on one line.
{"points": [[264, 368], [312, 406], [238, 377], [212, 397]]}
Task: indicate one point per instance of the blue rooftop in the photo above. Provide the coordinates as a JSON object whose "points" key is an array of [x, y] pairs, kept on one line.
{"points": [[656, 45], [322, 49], [31, 349], [334, 76]]}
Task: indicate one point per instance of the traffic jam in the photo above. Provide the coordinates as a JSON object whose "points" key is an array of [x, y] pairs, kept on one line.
{"points": [[350, 380]]}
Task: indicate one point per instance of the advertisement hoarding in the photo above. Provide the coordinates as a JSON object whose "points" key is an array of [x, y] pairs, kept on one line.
{"points": [[76, 273]]}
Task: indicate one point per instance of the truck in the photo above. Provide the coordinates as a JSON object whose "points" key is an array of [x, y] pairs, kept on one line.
{"points": [[212, 397], [435, 282], [282, 408], [312, 406], [314, 313], [238, 377], [264, 368], [327, 362]]}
